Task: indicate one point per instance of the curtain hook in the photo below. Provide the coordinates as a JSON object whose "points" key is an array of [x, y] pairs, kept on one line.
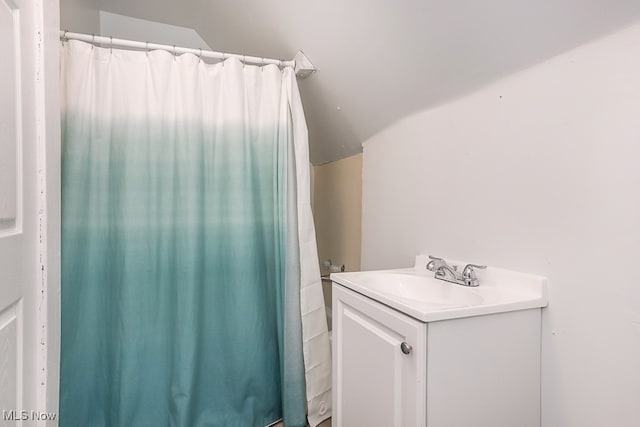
{"points": [[93, 41], [261, 64], [110, 45], [223, 59], [147, 48], [64, 37], [200, 56], [174, 52], [244, 60]]}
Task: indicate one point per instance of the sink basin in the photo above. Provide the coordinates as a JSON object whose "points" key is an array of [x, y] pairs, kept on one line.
{"points": [[420, 288], [414, 291]]}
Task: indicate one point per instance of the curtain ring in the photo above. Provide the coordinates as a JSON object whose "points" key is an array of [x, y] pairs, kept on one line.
{"points": [[64, 37]]}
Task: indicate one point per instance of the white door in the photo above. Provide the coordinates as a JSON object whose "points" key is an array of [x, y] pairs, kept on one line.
{"points": [[379, 362], [23, 131]]}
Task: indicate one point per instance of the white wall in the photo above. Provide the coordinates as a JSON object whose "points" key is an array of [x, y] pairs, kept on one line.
{"points": [[126, 27], [83, 16], [538, 173], [79, 16]]}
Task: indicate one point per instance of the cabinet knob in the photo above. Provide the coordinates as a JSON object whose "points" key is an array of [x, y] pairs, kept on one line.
{"points": [[406, 348]]}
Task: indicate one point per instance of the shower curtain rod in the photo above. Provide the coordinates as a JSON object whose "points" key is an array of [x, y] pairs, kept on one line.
{"points": [[303, 67]]}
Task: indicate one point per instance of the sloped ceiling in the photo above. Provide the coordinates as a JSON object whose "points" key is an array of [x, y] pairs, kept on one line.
{"points": [[382, 60]]}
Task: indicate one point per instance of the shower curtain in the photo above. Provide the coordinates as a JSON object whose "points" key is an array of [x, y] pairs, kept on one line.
{"points": [[191, 291]]}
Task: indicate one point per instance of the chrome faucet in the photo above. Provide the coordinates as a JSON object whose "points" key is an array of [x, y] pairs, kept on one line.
{"points": [[444, 271]]}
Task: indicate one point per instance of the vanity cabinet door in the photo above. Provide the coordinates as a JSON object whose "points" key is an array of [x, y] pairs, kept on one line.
{"points": [[379, 364]]}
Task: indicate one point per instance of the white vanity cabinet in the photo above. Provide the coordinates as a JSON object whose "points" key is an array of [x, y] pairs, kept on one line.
{"points": [[478, 371], [375, 382]]}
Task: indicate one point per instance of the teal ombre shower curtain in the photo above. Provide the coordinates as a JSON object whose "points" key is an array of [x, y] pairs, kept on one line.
{"points": [[190, 292]]}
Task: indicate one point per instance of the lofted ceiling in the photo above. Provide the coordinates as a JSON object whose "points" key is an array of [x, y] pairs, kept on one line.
{"points": [[381, 60]]}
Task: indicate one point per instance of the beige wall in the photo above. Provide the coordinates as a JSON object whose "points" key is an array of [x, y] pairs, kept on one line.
{"points": [[337, 211]]}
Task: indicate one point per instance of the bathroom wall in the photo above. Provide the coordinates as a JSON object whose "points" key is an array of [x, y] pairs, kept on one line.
{"points": [[79, 16], [337, 202], [126, 27], [82, 16], [537, 173]]}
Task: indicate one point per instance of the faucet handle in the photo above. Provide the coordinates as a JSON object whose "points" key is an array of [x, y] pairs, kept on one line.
{"points": [[469, 272], [470, 267], [435, 263]]}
